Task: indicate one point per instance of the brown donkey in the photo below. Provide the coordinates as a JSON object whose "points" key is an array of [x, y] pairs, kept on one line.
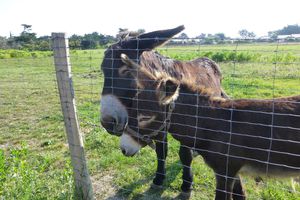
{"points": [[233, 136], [120, 87]]}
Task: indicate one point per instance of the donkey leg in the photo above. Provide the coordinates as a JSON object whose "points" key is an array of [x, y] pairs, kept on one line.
{"points": [[186, 158], [161, 150], [224, 187], [238, 190]]}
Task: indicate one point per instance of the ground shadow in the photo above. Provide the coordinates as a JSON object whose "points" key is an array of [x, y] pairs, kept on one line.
{"points": [[152, 192]]}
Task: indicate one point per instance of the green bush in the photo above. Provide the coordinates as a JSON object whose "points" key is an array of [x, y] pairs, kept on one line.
{"points": [[13, 53], [19, 54], [229, 56], [4, 55]]}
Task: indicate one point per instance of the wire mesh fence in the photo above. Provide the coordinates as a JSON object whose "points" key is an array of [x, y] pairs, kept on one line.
{"points": [[30, 112], [255, 71]]}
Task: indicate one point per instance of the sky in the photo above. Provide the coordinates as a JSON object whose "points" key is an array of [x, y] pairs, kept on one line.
{"points": [[107, 16]]}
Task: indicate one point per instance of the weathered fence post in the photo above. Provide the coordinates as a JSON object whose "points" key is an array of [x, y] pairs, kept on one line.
{"points": [[83, 183]]}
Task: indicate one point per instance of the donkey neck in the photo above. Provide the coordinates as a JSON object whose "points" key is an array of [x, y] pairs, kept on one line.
{"points": [[200, 116], [184, 119]]}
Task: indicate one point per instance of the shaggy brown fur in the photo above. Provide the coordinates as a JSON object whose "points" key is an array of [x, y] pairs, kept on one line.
{"points": [[233, 136]]}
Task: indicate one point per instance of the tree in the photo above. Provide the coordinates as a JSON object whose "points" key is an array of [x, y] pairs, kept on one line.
{"points": [[272, 34], [74, 41], [3, 42], [26, 27], [246, 34], [221, 36], [251, 35], [287, 30], [88, 44], [201, 36], [106, 39], [43, 45], [183, 36], [26, 39]]}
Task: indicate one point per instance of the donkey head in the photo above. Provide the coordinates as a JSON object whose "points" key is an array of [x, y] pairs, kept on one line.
{"points": [[149, 113], [119, 87]]}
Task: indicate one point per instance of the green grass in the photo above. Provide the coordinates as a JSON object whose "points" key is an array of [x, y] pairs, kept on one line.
{"points": [[281, 53], [34, 156]]}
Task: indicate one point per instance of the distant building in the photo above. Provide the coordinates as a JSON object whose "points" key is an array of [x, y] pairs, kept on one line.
{"points": [[264, 38], [296, 35], [287, 37]]}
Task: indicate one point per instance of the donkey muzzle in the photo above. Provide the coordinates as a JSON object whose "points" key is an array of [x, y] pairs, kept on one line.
{"points": [[114, 126], [114, 115]]}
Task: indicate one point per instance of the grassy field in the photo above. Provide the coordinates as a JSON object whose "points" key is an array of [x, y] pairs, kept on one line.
{"points": [[34, 156]]}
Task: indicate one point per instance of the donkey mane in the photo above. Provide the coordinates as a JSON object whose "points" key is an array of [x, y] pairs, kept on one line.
{"points": [[277, 105], [282, 104], [158, 76]]}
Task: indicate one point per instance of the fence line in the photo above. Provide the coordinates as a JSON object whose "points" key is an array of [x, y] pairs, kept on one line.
{"points": [[89, 121], [83, 185]]}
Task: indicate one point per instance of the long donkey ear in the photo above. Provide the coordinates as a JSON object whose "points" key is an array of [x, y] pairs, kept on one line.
{"points": [[148, 41], [157, 38], [135, 69], [126, 60], [168, 91]]}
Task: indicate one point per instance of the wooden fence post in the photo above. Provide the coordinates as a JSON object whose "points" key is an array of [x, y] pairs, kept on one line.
{"points": [[83, 183]]}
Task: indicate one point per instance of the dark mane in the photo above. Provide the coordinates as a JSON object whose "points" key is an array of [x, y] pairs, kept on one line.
{"points": [[282, 104], [276, 105]]}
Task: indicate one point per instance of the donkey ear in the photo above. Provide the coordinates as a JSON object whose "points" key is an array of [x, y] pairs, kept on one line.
{"points": [[154, 39], [168, 91], [148, 41], [136, 70], [131, 66], [126, 60]]}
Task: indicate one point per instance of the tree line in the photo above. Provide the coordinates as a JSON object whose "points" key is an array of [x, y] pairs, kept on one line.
{"points": [[28, 40]]}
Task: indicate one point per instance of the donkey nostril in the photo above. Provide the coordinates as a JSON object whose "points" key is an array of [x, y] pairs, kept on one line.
{"points": [[109, 123], [109, 120], [123, 151], [113, 121]]}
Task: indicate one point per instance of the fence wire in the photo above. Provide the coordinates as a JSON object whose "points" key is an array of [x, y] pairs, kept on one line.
{"points": [[255, 71], [250, 70], [263, 74]]}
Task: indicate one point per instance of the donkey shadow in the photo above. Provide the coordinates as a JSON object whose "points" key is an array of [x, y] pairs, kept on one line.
{"points": [[153, 192]]}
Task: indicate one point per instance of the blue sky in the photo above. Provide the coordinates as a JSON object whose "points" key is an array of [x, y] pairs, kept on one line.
{"points": [[106, 16]]}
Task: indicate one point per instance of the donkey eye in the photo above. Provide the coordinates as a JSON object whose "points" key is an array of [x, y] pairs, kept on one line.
{"points": [[144, 120], [124, 71]]}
